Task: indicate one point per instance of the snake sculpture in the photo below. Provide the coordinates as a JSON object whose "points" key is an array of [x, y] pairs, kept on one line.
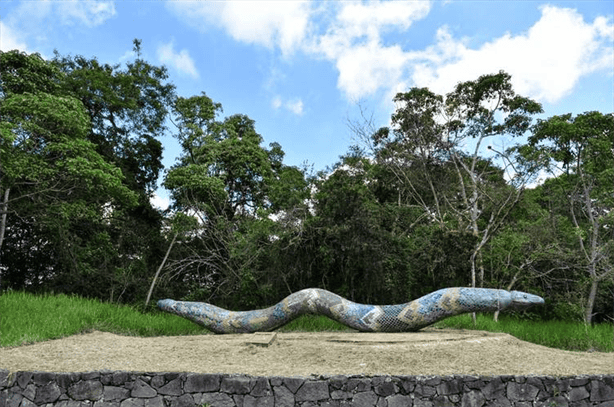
{"points": [[407, 317]]}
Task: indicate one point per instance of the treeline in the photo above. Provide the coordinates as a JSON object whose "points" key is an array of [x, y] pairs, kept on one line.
{"points": [[408, 210]]}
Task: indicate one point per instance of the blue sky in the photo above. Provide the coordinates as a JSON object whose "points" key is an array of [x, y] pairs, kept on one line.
{"points": [[300, 68]]}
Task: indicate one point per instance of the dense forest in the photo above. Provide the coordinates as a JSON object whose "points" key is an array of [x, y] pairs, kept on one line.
{"points": [[409, 209]]}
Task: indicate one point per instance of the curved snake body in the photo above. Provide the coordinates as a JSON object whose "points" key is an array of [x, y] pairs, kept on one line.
{"points": [[407, 317]]}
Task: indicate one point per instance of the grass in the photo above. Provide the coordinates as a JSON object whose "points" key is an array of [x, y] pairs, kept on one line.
{"points": [[554, 334], [28, 318], [313, 323]]}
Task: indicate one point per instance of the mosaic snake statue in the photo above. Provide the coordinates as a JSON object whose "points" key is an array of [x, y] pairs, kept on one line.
{"points": [[407, 317]]}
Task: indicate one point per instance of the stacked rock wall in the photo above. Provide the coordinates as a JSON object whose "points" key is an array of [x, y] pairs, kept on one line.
{"points": [[130, 389]]}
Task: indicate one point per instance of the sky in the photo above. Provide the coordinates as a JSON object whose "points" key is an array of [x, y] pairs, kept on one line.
{"points": [[302, 69]]}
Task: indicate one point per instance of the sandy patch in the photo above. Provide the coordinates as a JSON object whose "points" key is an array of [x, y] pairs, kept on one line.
{"points": [[428, 352]]}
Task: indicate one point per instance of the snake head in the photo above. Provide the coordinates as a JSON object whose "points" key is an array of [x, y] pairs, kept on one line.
{"points": [[522, 300]]}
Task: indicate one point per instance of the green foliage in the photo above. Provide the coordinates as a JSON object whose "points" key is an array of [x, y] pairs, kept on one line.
{"points": [[231, 184], [127, 109], [475, 102], [425, 151], [460, 198], [288, 189], [22, 74], [578, 152], [439, 258], [44, 142], [195, 189], [44, 146], [353, 240], [223, 169], [582, 146], [80, 157]]}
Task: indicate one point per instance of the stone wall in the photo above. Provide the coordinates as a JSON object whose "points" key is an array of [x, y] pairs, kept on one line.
{"points": [[130, 389]]}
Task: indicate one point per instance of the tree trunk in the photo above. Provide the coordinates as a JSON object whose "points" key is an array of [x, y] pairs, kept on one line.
{"points": [[591, 301], [473, 314], [4, 211], [153, 283]]}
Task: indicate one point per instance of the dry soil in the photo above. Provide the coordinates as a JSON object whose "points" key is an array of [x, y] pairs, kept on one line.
{"points": [[428, 352]]}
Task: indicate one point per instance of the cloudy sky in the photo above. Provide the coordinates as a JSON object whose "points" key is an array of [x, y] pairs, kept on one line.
{"points": [[301, 68]]}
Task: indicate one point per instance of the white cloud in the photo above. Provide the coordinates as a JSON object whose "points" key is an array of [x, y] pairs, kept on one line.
{"points": [[24, 23], [353, 42], [293, 105], [30, 13], [276, 102], [266, 23], [128, 55], [360, 19], [68, 12], [34, 19], [364, 69], [352, 32], [181, 61], [89, 13], [9, 39], [160, 202], [545, 62]]}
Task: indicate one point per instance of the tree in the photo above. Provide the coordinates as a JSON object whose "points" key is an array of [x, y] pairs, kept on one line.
{"points": [[426, 150], [180, 224], [534, 252], [127, 106], [228, 182], [47, 164], [348, 240], [127, 109], [578, 151]]}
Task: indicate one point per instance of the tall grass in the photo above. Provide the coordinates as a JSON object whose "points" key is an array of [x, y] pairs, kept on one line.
{"points": [[555, 334], [27, 318]]}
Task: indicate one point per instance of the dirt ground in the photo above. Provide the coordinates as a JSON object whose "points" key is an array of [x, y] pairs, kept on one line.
{"points": [[428, 352]]}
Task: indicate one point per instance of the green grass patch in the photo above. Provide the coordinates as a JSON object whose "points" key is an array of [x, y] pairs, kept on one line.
{"points": [[554, 334], [28, 318], [313, 323]]}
